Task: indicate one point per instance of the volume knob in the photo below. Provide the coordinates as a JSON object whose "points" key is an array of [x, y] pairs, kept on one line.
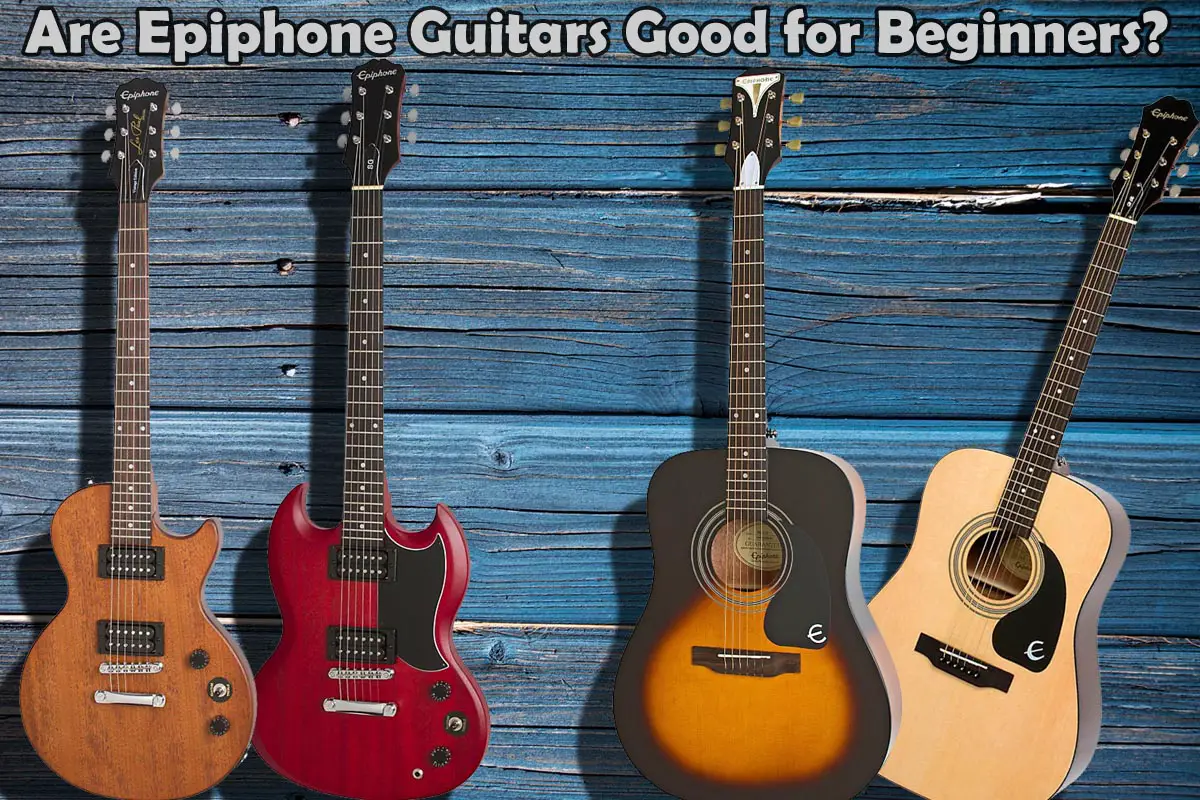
{"points": [[218, 726], [440, 691], [198, 659], [440, 756]]}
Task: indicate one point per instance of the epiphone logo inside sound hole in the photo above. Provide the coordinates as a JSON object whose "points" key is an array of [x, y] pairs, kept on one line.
{"points": [[742, 562], [995, 572]]}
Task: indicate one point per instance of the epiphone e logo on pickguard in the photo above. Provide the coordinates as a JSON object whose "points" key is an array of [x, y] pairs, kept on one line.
{"points": [[1160, 114], [379, 73]]}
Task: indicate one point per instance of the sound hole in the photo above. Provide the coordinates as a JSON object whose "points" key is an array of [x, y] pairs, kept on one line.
{"points": [[746, 555], [999, 566]]}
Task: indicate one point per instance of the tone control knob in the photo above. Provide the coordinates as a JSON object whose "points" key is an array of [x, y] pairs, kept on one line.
{"points": [[218, 726], [440, 691], [198, 659], [440, 756], [220, 690], [455, 723]]}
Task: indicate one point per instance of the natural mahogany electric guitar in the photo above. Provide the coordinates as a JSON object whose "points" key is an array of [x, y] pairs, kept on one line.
{"points": [[755, 671], [992, 617], [365, 696], [134, 691]]}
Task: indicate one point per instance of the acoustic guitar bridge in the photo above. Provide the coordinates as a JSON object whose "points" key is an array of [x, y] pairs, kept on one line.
{"points": [[751, 663], [962, 665]]}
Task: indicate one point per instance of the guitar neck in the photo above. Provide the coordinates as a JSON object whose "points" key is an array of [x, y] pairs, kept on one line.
{"points": [[132, 509], [1043, 437], [365, 478], [746, 469]]}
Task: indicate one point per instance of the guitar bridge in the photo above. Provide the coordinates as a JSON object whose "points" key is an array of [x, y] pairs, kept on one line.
{"points": [[751, 663], [962, 665], [360, 645], [135, 563]]}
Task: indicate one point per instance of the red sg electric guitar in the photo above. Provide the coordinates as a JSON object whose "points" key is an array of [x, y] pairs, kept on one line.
{"points": [[365, 696]]}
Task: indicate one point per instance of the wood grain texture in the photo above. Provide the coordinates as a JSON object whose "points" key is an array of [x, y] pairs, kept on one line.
{"points": [[567, 492], [124, 751], [558, 303]]}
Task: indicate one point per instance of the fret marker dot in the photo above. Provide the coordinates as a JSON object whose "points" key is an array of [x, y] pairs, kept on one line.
{"points": [[745, 475], [362, 508], [362, 464], [375, 426], [756, 416], [747, 252], [131, 383], [1022, 490], [1031, 470], [745, 453], [364, 341], [365, 254], [745, 369], [131, 488], [132, 265], [131, 348], [747, 295], [364, 377], [735, 416], [119, 429], [745, 335], [1053, 436], [1085, 320], [362, 526], [142, 427], [131, 525], [364, 301], [131, 508], [131, 466], [362, 488], [351, 424], [131, 308], [1060, 391]]}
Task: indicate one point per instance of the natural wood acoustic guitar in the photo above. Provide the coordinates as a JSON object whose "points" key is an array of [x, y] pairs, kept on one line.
{"points": [[992, 617]]}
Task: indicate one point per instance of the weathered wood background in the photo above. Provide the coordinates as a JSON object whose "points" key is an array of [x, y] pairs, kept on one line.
{"points": [[557, 281]]}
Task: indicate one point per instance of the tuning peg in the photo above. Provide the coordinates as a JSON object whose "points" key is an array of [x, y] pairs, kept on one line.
{"points": [[1174, 192], [106, 156], [346, 95], [341, 141], [723, 126], [174, 153], [174, 131], [719, 149], [110, 111], [1112, 176], [413, 114], [109, 134], [795, 122], [1133, 132], [1125, 154], [176, 108], [1193, 150], [793, 145], [1183, 170], [726, 103], [412, 137], [414, 89], [797, 98], [345, 117]]}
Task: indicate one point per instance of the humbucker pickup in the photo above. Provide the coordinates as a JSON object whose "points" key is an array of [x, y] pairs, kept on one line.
{"points": [[360, 645], [135, 562], [124, 638], [367, 565], [962, 665], [752, 663]]}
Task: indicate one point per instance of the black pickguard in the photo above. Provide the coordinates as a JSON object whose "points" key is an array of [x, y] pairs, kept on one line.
{"points": [[798, 616], [1033, 629], [408, 604]]}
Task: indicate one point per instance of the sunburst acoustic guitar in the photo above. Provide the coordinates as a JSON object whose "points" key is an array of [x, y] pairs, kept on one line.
{"points": [[992, 617], [134, 691], [755, 671]]}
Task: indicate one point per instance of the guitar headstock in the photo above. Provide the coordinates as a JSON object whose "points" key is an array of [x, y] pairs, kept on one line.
{"points": [[373, 141], [1158, 142], [135, 162], [755, 126]]}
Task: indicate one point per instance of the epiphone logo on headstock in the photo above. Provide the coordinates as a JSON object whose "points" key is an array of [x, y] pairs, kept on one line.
{"points": [[379, 73], [754, 85], [128, 95], [1160, 114]]}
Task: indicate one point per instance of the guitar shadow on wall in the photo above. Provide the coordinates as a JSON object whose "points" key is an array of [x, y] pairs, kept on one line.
{"points": [[605, 769], [40, 584]]}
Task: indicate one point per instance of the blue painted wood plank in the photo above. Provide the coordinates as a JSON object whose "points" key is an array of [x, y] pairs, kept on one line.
{"points": [[586, 475], [603, 303]]}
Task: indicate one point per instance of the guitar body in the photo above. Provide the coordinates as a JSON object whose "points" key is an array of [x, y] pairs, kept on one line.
{"points": [[357, 755], [126, 751], [704, 726], [1034, 732]]}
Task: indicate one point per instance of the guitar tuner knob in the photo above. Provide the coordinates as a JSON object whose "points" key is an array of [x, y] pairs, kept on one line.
{"points": [[414, 89], [726, 104], [1112, 176], [109, 133], [1183, 170], [795, 122], [341, 141], [413, 114], [110, 111], [719, 150], [174, 153], [440, 756], [345, 117], [346, 95], [1175, 191], [797, 98], [1133, 132], [106, 156], [176, 108], [440, 691], [174, 131], [412, 137], [198, 659], [723, 126], [1193, 150], [793, 145], [218, 726], [1125, 154]]}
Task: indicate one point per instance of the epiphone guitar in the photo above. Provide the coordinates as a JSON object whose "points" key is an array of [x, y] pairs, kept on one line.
{"points": [[992, 617], [755, 671], [134, 690], [365, 696]]}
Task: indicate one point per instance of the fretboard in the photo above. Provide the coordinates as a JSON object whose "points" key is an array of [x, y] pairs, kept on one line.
{"points": [[1039, 450], [746, 473], [131, 487], [365, 477]]}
